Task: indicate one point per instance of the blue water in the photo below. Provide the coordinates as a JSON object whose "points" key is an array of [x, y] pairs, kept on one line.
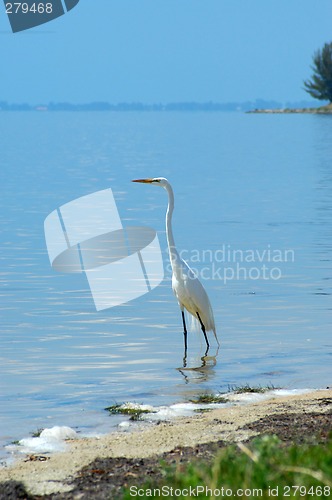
{"points": [[250, 191]]}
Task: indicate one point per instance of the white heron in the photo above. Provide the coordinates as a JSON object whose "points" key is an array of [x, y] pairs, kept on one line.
{"points": [[189, 291]]}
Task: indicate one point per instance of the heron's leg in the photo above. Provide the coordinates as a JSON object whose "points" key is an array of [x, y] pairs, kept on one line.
{"points": [[184, 332], [185, 359], [203, 329]]}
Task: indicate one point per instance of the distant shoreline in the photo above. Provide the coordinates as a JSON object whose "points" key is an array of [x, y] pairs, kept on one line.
{"points": [[257, 106], [322, 110]]}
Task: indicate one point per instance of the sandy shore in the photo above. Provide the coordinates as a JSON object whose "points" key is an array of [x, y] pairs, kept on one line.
{"points": [[227, 424]]}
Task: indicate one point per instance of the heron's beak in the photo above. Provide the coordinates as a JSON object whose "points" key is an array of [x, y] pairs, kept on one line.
{"points": [[146, 181]]}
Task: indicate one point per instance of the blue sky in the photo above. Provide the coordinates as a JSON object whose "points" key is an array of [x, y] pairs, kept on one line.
{"points": [[166, 50]]}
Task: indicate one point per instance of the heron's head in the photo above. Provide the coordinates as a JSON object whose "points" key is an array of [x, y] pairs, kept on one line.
{"points": [[157, 181]]}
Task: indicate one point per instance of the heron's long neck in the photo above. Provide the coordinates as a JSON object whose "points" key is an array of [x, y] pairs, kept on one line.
{"points": [[169, 231]]}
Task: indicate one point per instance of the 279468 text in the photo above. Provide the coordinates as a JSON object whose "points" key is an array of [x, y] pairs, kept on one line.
{"points": [[25, 8]]}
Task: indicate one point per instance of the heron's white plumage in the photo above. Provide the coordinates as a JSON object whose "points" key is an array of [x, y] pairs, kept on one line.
{"points": [[191, 295]]}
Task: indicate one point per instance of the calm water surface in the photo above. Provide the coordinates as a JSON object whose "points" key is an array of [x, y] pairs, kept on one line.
{"points": [[253, 216]]}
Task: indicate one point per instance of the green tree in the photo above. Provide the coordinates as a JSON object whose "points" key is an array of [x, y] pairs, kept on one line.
{"points": [[320, 84]]}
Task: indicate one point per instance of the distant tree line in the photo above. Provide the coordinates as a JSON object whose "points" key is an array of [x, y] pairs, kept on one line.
{"points": [[138, 106]]}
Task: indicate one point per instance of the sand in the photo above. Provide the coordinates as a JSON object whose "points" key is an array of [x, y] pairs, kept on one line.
{"points": [[227, 424]]}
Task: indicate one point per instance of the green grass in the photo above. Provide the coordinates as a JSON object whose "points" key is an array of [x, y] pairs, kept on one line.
{"points": [[208, 399], [37, 433], [134, 412], [265, 468], [246, 388]]}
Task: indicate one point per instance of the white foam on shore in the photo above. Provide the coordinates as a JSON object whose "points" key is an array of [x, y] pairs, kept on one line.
{"points": [[256, 397], [166, 413], [52, 440], [49, 441]]}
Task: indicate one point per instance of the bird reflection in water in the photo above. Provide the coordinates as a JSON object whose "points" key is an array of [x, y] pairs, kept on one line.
{"points": [[201, 369]]}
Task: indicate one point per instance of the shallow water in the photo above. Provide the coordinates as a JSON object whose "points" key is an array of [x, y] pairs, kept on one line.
{"points": [[252, 216]]}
